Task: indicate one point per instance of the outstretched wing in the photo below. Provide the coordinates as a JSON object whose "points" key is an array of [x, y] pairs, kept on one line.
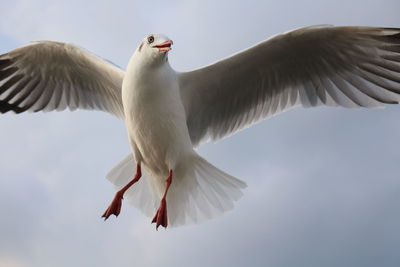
{"points": [[346, 66], [53, 76]]}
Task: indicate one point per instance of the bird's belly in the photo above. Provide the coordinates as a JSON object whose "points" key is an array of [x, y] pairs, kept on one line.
{"points": [[160, 135]]}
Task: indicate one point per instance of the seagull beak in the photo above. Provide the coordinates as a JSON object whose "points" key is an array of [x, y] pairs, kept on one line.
{"points": [[164, 47]]}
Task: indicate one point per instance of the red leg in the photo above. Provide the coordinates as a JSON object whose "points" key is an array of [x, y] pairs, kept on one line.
{"points": [[115, 206], [161, 216]]}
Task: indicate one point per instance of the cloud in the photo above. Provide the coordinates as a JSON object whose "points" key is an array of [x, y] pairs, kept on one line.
{"points": [[11, 262]]}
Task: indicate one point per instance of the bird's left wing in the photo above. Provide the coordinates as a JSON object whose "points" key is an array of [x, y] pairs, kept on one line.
{"points": [[346, 66], [53, 76]]}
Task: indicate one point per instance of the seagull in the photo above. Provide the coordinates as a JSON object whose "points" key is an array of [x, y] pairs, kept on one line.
{"points": [[168, 113]]}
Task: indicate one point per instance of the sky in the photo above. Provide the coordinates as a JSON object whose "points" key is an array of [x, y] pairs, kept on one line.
{"points": [[323, 183]]}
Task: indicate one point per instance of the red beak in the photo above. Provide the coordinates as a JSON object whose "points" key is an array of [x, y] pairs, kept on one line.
{"points": [[164, 47]]}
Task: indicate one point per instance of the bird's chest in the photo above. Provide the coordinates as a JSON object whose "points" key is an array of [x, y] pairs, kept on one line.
{"points": [[151, 101], [155, 117]]}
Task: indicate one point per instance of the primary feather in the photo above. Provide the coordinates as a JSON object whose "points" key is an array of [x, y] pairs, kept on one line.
{"points": [[45, 76]]}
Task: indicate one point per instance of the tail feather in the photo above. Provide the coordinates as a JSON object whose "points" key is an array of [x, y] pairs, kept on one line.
{"points": [[124, 171], [199, 191], [140, 195]]}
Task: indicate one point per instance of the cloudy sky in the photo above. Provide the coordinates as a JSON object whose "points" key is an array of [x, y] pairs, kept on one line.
{"points": [[323, 183]]}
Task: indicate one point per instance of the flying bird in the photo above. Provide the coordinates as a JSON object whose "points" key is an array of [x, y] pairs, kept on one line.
{"points": [[168, 113]]}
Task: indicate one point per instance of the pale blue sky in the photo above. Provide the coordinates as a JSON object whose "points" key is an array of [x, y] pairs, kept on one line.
{"points": [[323, 183]]}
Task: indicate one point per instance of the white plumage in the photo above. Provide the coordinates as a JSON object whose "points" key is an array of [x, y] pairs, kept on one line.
{"points": [[168, 113]]}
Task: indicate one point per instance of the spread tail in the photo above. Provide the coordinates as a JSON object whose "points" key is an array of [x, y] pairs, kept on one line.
{"points": [[199, 191]]}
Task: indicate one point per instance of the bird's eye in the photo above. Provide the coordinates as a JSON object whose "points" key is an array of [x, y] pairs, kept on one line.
{"points": [[150, 39]]}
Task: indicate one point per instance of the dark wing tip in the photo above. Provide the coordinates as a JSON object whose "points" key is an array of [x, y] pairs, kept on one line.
{"points": [[392, 38], [5, 63], [7, 72], [6, 107], [396, 35]]}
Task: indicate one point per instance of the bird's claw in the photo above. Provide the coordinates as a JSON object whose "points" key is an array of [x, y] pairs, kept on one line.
{"points": [[114, 208], [161, 216]]}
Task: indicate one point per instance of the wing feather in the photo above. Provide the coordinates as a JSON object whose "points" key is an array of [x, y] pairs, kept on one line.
{"points": [[345, 66], [46, 76]]}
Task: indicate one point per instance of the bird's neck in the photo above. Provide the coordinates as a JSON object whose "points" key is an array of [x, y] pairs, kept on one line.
{"points": [[142, 69], [148, 62]]}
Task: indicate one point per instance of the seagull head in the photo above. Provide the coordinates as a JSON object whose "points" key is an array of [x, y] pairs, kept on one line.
{"points": [[159, 42], [155, 46]]}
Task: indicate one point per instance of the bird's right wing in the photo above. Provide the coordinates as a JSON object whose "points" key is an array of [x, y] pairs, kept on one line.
{"points": [[53, 76], [346, 66]]}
